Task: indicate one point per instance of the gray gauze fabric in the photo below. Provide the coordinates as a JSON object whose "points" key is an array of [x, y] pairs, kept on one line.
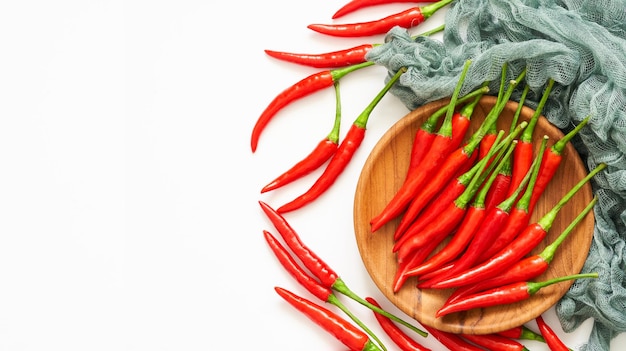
{"points": [[581, 45]]}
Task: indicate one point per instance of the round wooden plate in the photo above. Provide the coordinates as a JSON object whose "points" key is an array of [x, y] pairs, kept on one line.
{"points": [[383, 174]]}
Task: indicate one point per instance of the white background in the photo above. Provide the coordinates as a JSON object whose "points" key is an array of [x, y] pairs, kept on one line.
{"points": [[129, 216]]}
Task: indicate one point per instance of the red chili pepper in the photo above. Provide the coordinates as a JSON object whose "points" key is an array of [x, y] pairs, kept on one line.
{"points": [[501, 185], [333, 59], [320, 269], [495, 342], [452, 341], [313, 286], [348, 334], [406, 19], [324, 150], [440, 149], [503, 295], [300, 89], [552, 339], [395, 333], [354, 5], [490, 227], [521, 333], [453, 164], [551, 161], [529, 267], [345, 152], [405, 266], [525, 242], [523, 155]]}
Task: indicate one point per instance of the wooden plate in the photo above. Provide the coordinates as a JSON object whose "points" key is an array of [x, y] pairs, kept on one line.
{"points": [[383, 174]]}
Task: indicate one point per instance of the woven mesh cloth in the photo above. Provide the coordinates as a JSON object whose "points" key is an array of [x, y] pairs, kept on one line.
{"points": [[581, 45]]}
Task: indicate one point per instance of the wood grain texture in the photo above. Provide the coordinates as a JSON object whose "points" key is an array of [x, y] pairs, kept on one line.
{"points": [[384, 172]]}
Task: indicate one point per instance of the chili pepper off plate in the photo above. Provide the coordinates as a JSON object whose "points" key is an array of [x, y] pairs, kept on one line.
{"points": [[383, 174]]}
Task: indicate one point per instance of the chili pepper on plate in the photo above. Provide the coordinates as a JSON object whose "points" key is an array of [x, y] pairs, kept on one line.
{"points": [[505, 294], [322, 152], [408, 18], [334, 59], [490, 136], [395, 333], [523, 155], [317, 267], [523, 244], [495, 342], [343, 155], [550, 336], [441, 147], [304, 87], [320, 291], [529, 267], [348, 334], [354, 5], [551, 161]]}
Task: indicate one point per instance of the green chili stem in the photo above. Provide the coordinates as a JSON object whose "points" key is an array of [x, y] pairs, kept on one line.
{"points": [[527, 136], [361, 120], [533, 287], [548, 252], [334, 133], [559, 146], [342, 288], [546, 221]]}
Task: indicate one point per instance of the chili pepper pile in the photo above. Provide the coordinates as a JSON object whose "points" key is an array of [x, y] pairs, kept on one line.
{"points": [[486, 184]]}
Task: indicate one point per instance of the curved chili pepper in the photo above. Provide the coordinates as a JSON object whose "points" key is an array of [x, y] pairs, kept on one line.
{"points": [[348, 334], [397, 335], [529, 267], [440, 229], [440, 149], [463, 234], [505, 294], [354, 5], [320, 269], [551, 161], [300, 89], [322, 152], [489, 228], [490, 136], [522, 158], [313, 286], [450, 167], [495, 342], [344, 154], [407, 19], [333, 59], [525, 242], [522, 332], [552, 339], [415, 259], [452, 341], [501, 185]]}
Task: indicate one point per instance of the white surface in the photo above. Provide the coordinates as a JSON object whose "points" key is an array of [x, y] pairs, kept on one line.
{"points": [[128, 190]]}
